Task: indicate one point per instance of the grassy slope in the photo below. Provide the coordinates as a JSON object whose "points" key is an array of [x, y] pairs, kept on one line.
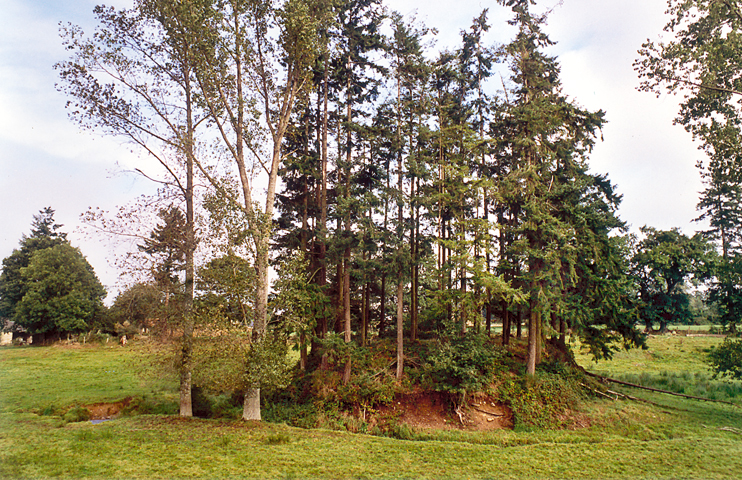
{"points": [[627, 440], [666, 353], [33, 378]]}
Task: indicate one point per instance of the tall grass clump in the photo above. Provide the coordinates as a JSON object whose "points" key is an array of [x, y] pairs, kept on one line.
{"points": [[698, 384]]}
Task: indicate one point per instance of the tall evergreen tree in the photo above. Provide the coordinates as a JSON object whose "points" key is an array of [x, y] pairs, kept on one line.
{"points": [[547, 138], [45, 233]]}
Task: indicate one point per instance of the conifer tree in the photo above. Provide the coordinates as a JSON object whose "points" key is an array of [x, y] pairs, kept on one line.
{"points": [[547, 138]]}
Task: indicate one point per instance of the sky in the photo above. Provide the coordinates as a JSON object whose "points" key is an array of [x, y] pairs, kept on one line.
{"points": [[46, 160]]}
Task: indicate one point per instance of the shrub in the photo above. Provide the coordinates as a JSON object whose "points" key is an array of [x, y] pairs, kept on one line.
{"points": [[147, 406], [227, 406], [76, 414], [283, 409], [460, 364], [201, 403], [726, 359], [540, 401]]}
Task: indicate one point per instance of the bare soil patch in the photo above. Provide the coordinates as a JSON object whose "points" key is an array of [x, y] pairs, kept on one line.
{"points": [[105, 411], [435, 411]]}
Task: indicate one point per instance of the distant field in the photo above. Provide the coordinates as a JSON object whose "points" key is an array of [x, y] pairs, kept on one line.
{"points": [[665, 353], [621, 439]]}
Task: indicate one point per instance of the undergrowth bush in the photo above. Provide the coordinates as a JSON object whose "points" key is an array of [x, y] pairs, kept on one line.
{"points": [[541, 401], [151, 406], [280, 409], [460, 364], [76, 414], [726, 359]]}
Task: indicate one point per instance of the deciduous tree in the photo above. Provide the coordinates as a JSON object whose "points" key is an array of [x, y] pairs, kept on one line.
{"points": [[62, 293]]}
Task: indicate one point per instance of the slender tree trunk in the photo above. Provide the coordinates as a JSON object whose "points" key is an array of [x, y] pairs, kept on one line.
{"points": [[251, 406], [400, 328], [519, 324], [562, 332], [186, 403], [366, 313], [533, 332], [346, 308], [505, 323]]}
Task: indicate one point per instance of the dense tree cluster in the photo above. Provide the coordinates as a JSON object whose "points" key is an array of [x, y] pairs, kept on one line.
{"points": [[409, 194]]}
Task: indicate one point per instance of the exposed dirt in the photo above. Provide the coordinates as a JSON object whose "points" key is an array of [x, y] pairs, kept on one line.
{"points": [[105, 411], [435, 411]]}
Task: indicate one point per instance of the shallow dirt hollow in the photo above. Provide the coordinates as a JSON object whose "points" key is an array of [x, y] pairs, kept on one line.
{"points": [[105, 411], [430, 410]]}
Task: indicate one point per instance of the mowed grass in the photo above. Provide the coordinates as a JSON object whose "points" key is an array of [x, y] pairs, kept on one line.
{"points": [[665, 353], [36, 378], [673, 363], [620, 439]]}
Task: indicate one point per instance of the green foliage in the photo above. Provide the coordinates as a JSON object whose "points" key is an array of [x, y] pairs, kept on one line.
{"points": [[703, 59], [76, 414], [62, 294], [226, 359], [465, 364], [726, 359], [44, 234], [541, 401], [206, 405], [139, 305], [227, 283], [299, 301], [288, 410], [149, 405], [167, 249], [663, 261], [370, 384]]}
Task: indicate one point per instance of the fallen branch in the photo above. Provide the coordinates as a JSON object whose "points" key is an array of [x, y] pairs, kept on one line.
{"points": [[599, 392], [619, 395], [394, 362], [620, 382], [635, 399]]}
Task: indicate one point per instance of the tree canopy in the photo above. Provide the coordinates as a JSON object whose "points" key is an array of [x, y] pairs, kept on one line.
{"points": [[47, 286], [62, 294]]}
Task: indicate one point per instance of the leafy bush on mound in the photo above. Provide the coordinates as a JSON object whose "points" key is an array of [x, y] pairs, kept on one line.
{"points": [[460, 364], [151, 406], [541, 401], [76, 414]]}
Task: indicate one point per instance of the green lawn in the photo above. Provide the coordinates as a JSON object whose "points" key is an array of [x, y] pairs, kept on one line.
{"points": [[621, 439], [35, 378], [666, 353]]}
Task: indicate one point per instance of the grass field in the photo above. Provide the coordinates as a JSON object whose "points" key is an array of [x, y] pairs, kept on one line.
{"points": [[621, 439]]}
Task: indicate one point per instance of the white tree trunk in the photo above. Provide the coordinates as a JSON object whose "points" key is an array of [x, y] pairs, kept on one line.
{"points": [[251, 407]]}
